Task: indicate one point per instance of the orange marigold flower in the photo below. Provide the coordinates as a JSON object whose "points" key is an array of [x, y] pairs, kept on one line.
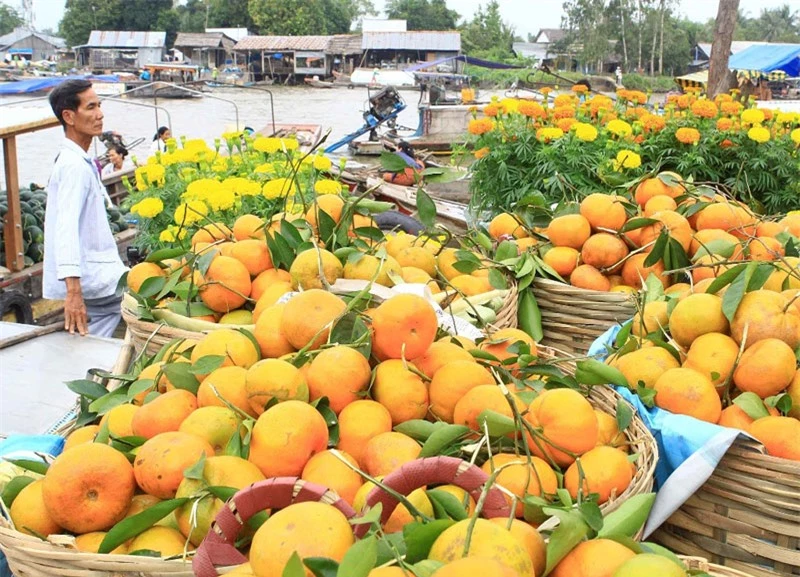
{"points": [[563, 100], [563, 112], [684, 101], [481, 152], [720, 98], [491, 110], [639, 139], [531, 109], [600, 102], [480, 126], [730, 108], [672, 98], [637, 97], [724, 124], [566, 123], [768, 113], [653, 123], [704, 109], [579, 89], [688, 135], [727, 143], [546, 90]]}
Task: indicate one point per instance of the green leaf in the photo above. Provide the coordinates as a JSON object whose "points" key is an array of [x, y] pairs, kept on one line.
{"points": [[222, 493], [497, 279], [321, 566], [351, 329], [657, 253], [108, 401], [140, 386], [391, 162], [253, 341], [529, 317], [571, 530], [90, 389], [498, 425], [165, 253], [449, 502], [180, 375], [152, 286], [324, 409], [132, 526], [13, 488], [506, 250], [426, 568], [291, 234], [146, 553], [235, 447], [721, 247], [30, 465], [370, 516], [196, 471], [426, 209], [282, 254], [629, 517], [635, 223], [419, 537], [189, 309], [593, 372], [725, 279], [466, 266], [417, 429], [441, 439], [751, 404], [663, 551], [207, 364], [359, 559], [624, 414], [103, 434], [203, 261], [326, 226], [294, 567], [783, 402], [647, 396], [533, 511], [760, 276], [735, 293], [592, 515]]}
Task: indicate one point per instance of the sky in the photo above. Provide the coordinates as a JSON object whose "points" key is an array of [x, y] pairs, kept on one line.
{"points": [[527, 16]]}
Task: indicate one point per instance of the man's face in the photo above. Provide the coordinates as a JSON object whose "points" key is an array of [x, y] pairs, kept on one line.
{"points": [[88, 118]]}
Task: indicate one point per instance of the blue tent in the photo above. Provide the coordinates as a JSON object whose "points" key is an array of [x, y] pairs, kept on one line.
{"points": [[767, 58], [46, 83]]}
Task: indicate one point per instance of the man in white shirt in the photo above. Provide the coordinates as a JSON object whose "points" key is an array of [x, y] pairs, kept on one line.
{"points": [[81, 259]]}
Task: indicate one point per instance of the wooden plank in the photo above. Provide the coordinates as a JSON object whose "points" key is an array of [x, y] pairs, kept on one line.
{"points": [[13, 220], [10, 131]]}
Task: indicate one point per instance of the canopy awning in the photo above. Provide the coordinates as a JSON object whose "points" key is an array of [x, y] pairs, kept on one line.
{"points": [[693, 80], [770, 61], [465, 59]]}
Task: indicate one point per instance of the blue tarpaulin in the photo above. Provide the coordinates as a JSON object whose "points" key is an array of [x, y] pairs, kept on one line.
{"points": [[466, 60], [767, 58], [46, 83]]}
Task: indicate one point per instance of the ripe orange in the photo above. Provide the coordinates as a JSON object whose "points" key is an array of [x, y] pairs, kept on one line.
{"points": [[166, 541], [531, 540], [562, 259], [651, 187], [608, 432], [765, 249], [417, 257], [88, 488], [163, 414], [729, 217], [766, 368], [340, 373], [522, 477], [570, 230], [211, 233], [645, 366], [506, 225], [311, 266], [285, 437], [80, 436], [404, 327], [469, 566], [161, 461], [697, 315], [372, 268], [330, 204], [274, 379], [29, 513], [440, 354], [713, 355], [780, 436], [268, 334], [386, 452], [226, 285], [249, 226], [217, 425], [90, 543], [141, 272], [498, 342], [308, 317], [734, 417], [766, 314], [253, 254], [676, 225], [687, 392], [650, 564], [567, 422], [659, 203], [399, 390], [606, 472], [481, 398], [603, 211], [229, 384], [327, 470], [634, 271], [704, 238], [266, 279], [595, 558], [359, 422], [451, 382], [587, 277], [604, 251], [653, 317]]}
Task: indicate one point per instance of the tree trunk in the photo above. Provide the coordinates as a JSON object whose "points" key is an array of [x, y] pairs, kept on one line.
{"points": [[661, 40], [623, 6], [719, 77], [653, 46], [641, 28]]}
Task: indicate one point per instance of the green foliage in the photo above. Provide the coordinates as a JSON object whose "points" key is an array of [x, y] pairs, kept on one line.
{"points": [[9, 19], [487, 36], [423, 14], [83, 16], [307, 17], [648, 83]]}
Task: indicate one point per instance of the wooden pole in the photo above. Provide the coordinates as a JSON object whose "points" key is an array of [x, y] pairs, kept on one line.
{"points": [[12, 230], [719, 77]]}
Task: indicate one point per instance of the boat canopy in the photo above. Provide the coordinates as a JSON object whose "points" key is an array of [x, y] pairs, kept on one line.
{"points": [[693, 80], [770, 61], [465, 59], [46, 83]]}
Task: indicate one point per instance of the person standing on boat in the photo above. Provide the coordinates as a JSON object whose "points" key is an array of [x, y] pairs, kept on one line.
{"points": [[160, 140], [81, 260], [117, 160]]}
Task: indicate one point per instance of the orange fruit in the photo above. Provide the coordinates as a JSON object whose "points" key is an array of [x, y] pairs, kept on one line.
{"points": [[404, 326], [249, 226], [606, 472], [226, 285], [29, 513], [268, 334], [653, 317], [570, 230], [562, 259], [399, 390], [567, 423], [253, 254], [308, 317], [438, 355], [287, 532], [604, 251], [161, 461], [285, 437], [697, 315], [211, 233], [688, 392], [734, 417], [659, 203], [267, 278], [359, 422], [330, 204], [217, 425], [676, 225], [522, 477], [651, 187], [120, 420], [311, 266], [506, 225], [141, 272], [451, 382], [498, 343], [166, 541], [530, 538], [644, 366], [634, 271], [274, 379], [779, 435], [88, 488], [374, 269], [469, 566], [767, 228], [595, 558], [603, 211], [766, 368], [713, 355], [766, 314], [650, 564], [163, 414], [608, 432], [729, 217], [417, 257], [90, 543], [270, 297], [765, 249], [229, 384], [481, 398], [587, 277], [386, 452], [80, 436], [327, 470], [391, 572], [340, 373], [470, 285], [705, 238]]}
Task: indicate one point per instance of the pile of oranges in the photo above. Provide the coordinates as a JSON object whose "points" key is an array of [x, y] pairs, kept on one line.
{"points": [[192, 438]]}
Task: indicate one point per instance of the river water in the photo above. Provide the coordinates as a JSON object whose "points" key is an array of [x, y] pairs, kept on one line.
{"points": [[337, 109]]}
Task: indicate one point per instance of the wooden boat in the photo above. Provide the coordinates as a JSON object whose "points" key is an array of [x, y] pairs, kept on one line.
{"points": [[317, 83], [450, 212], [306, 134], [435, 144]]}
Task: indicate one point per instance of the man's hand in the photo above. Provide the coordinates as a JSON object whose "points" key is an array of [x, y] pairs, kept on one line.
{"points": [[74, 308]]}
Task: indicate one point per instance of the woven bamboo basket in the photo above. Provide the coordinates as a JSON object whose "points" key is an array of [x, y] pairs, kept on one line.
{"points": [[150, 336], [507, 315], [745, 517], [572, 317], [700, 564]]}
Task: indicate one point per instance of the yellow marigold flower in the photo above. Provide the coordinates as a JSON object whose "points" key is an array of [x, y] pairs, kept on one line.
{"points": [[753, 116], [509, 105], [566, 124], [579, 89], [795, 136], [531, 109], [277, 188], [202, 189], [619, 128], [549, 134], [322, 162], [724, 123], [758, 134], [563, 112], [167, 235], [187, 213], [481, 152], [149, 207], [221, 199], [327, 186], [786, 118], [480, 126], [491, 110], [688, 135], [627, 159], [271, 145], [704, 109], [546, 90], [720, 98], [585, 132], [266, 168], [563, 100], [241, 186]]}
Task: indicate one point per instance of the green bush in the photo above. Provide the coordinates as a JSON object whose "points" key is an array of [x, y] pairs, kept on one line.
{"points": [[648, 83]]}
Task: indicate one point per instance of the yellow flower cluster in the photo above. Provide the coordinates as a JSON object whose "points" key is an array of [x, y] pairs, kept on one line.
{"points": [[322, 163], [149, 207], [758, 134], [241, 186], [795, 136], [752, 116], [585, 132], [627, 159], [188, 213], [277, 188], [548, 134], [619, 128], [327, 186], [172, 233], [149, 175], [271, 145]]}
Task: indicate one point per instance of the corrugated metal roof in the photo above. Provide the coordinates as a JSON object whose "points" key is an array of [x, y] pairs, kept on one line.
{"points": [[21, 33], [275, 43], [203, 40], [530, 49], [126, 39], [344, 44], [553, 34], [448, 41]]}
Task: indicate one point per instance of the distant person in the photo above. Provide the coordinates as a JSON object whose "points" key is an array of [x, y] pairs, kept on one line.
{"points": [[214, 74], [81, 259], [117, 156], [145, 75], [160, 140], [412, 173], [618, 74]]}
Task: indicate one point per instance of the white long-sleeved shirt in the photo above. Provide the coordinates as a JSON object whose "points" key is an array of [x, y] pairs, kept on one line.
{"points": [[78, 241]]}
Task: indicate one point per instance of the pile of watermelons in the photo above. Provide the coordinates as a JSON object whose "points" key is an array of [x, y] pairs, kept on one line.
{"points": [[33, 201]]}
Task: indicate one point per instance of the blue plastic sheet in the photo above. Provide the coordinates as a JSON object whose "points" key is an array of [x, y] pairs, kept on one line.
{"points": [[768, 58], [46, 83]]}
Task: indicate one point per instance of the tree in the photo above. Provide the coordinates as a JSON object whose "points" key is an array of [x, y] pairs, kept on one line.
{"points": [[423, 14], [9, 19], [487, 35], [718, 73], [170, 22], [192, 16], [83, 16], [340, 14], [288, 17], [229, 14], [588, 25], [142, 14]]}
